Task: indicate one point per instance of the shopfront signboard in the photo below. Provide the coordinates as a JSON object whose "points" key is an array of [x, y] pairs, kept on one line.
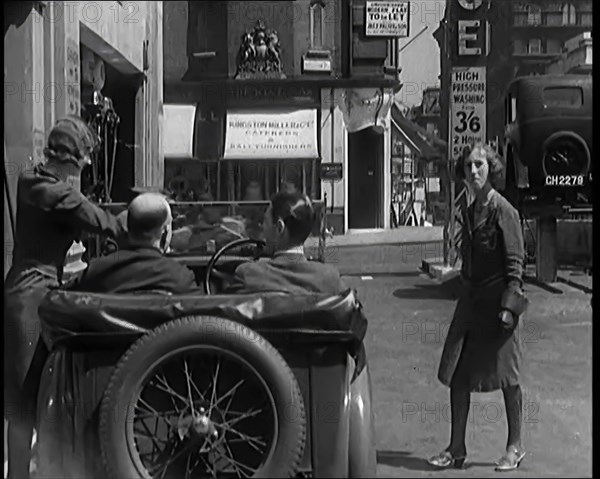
{"points": [[271, 134]]}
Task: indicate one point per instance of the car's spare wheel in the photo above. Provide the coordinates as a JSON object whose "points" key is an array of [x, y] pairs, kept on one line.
{"points": [[202, 397]]}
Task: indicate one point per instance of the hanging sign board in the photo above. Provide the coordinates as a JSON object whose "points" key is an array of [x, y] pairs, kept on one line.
{"points": [[387, 19], [275, 134], [331, 172], [467, 108]]}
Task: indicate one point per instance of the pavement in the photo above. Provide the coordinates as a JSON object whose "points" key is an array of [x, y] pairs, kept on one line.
{"points": [[409, 314], [400, 235]]}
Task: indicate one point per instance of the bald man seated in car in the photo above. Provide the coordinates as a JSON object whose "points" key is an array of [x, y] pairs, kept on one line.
{"points": [[141, 265], [287, 223]]}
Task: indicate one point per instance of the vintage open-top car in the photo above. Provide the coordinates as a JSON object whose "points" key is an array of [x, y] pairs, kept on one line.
{"points": [[153, 385]]}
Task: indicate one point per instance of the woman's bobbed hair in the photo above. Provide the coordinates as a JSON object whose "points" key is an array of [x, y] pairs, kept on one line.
{"points": [[496, 167]]}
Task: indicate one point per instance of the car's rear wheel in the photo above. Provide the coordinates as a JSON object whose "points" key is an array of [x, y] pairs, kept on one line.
{"points": [[202, 397]]}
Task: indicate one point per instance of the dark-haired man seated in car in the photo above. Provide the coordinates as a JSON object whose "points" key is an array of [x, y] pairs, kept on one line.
{"points": [[287, 224], [141, 264]]}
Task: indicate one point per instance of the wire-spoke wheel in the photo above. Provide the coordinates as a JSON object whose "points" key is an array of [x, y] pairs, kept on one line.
{"points": [[202, 397]]}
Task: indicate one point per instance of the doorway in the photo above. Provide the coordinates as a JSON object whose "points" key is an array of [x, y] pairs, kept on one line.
{"points": [[365, 179]]}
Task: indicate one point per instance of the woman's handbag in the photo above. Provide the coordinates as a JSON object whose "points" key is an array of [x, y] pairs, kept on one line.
{"points": [[514, 301]]}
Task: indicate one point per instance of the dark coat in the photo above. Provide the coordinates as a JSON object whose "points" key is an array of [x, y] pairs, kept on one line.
{"points": [[478, 353], [50, 216], [289, 273], [135, 269]]}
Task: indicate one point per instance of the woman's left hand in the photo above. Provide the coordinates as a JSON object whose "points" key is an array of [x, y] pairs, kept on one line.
{"points": [[507, 319]]}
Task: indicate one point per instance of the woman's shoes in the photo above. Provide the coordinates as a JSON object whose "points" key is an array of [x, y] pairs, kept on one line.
{"points": [[511, 460], [446, 459]]}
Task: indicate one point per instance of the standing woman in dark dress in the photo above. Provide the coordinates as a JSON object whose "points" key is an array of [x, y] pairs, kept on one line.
{"points": [[50, 216], [482, 352]]}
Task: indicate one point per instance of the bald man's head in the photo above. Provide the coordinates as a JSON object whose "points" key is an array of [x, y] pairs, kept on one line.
{"points": [[148, 217]]}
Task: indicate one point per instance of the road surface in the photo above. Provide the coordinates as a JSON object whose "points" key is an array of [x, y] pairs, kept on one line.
{"points": [[409, 315]]}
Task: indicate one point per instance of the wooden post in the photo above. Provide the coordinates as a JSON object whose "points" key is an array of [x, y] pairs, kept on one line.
{"points": [[546, 259]]}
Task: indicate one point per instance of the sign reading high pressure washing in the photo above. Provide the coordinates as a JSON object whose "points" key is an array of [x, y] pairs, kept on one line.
{"points": [[387, 19], [467, 108]]}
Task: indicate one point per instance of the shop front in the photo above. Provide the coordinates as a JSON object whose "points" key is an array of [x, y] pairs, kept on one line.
{"points": [[231, 146], [243, 141], [356, 133], [419, 174], [78, 58]]}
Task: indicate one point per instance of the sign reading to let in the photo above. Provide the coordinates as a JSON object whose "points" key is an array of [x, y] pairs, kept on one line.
{"points": [[467, 108], [271, 135], [387, 19]]}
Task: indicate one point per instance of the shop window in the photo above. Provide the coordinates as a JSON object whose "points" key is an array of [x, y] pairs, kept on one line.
{"points": [[240, 180], [534, 14], [258, 180], [569, 14], [317, 13]]}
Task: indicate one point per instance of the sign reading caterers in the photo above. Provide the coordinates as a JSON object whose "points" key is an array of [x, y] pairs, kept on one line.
{"points": [[271, 135]]}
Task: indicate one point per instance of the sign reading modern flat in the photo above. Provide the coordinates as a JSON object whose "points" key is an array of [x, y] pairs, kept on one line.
{"points": [[467, 108], [275, 134], [387, 19], [331, 172], [178, 128]]}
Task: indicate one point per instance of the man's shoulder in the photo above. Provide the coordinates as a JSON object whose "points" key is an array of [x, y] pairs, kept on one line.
{"points": [[258, 267], [313, 265]]}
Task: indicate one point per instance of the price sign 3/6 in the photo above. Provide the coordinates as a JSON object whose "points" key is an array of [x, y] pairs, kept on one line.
{"points": [[467, 108]]}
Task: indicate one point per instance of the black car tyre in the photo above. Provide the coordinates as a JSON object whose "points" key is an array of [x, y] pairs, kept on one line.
{"points": [[235, 411]]}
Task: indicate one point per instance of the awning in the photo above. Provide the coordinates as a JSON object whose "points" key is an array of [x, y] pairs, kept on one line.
{"points": [[422, 143]]}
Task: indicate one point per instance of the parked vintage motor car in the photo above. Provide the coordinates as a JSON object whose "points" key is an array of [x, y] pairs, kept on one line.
{"points": [[548, 139], [220, 385]]}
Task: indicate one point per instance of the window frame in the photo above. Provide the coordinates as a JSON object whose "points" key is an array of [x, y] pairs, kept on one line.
{"points": [[569, 14], [549, 104], [534, 14], [314, 5], [534, 41]]}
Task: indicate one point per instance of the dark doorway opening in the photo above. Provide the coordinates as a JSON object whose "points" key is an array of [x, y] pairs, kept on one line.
{"points": [[365, 179]]}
